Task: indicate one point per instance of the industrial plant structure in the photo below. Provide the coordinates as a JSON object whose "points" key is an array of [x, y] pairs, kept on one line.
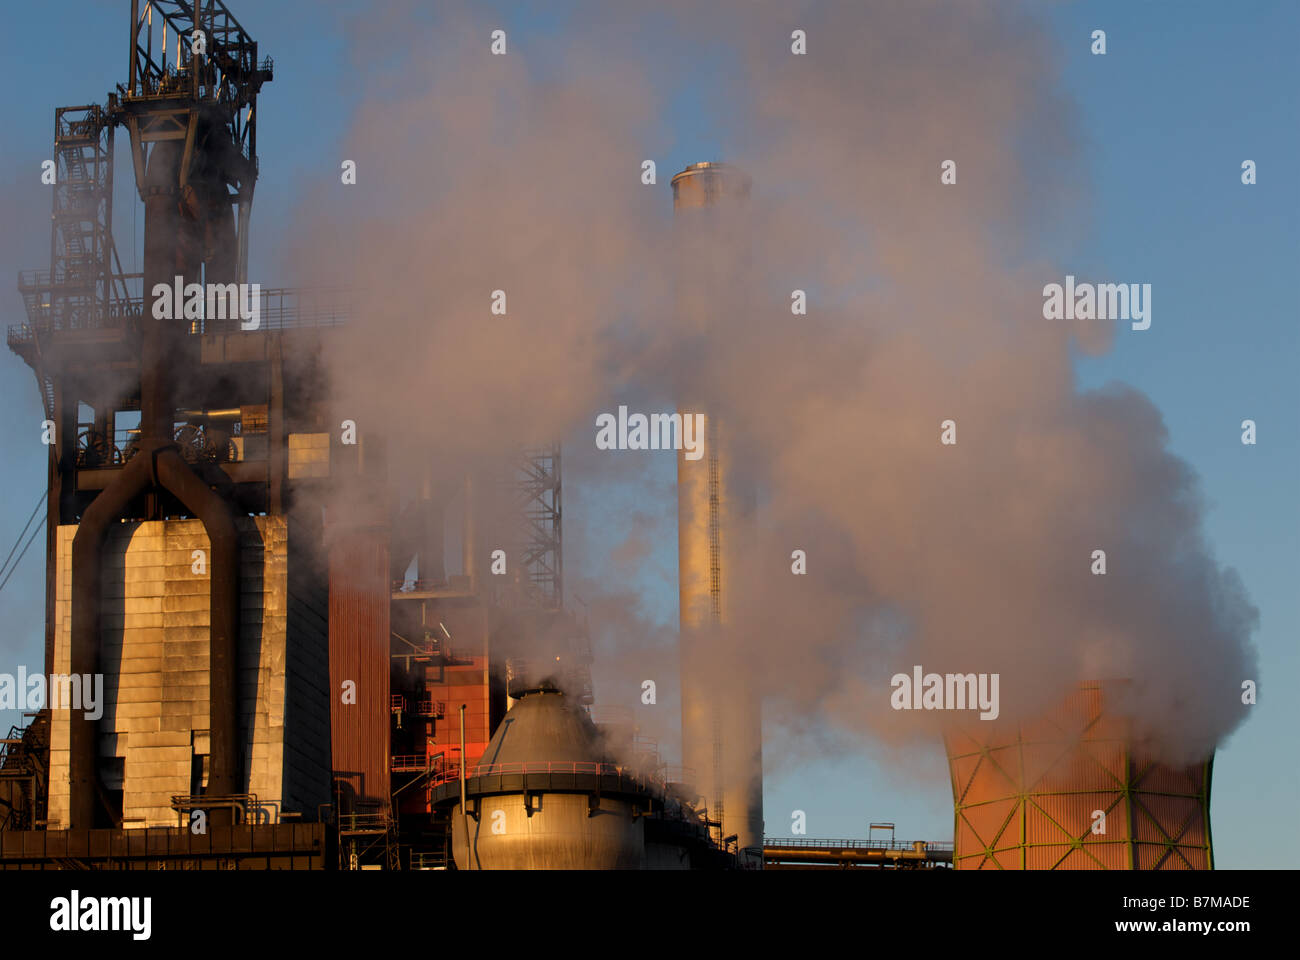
{"points": [[1069, 791], [280, 691], [722, 737], [293, 678]]}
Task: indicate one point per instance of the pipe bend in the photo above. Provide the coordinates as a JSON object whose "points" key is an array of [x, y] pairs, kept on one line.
{"points": [[83, 642], [225, 775], [215, 512], [159, 465]]}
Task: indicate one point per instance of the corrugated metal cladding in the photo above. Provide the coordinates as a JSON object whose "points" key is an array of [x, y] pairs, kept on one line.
{"points": [[1028, 799], [359, 611], [465, 681]]}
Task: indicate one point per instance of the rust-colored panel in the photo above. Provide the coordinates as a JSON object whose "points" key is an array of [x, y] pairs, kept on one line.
{"points": [[1087, 860], [1164, 819], [1075, 764], [1161, 779], [1111, 757], [1196, 857], [1046, 857], [1077, 711], [1006, 859], [988, 820], [1040, 758], [359, 609], [963, 771], [1107, 853], [997, 774], [1042, 827], [1055, 771], [966, 838], [1015, 827], [463, 680], [962, 741], [1073, 812], [1153, 857]]}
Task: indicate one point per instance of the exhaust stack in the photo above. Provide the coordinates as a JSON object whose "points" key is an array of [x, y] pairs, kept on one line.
{"points": [[722, 739]]}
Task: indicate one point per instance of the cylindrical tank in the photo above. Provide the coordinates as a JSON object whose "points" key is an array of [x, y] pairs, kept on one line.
{"points": [[1068, 790], [560, 834], [721, 719], [544, 798], [707, 183]]}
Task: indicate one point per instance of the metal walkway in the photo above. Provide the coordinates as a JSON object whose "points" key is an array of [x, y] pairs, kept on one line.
{"points": [[806, 852]]}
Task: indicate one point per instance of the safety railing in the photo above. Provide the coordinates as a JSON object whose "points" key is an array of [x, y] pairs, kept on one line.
{"points": [[363, 822], [16, 758], [420, 586], [245, 804], [442, 771], [424, 649], [425, 707], [278, 308], [428, 707], [852, 844], [410, 763], [591, 768], [675, 773], [422, 860]]}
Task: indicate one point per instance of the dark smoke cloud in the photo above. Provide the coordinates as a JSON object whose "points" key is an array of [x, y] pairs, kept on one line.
{"points": [[520, 173]]}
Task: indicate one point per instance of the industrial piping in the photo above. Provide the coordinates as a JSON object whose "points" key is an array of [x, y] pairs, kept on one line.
{"points": [[170, 247]]}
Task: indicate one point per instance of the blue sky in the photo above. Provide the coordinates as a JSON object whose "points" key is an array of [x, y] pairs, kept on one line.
{"points": [[1185, 92]]}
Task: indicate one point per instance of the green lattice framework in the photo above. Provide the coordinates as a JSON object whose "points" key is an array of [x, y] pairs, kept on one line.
{"points": [[1029, 801]]}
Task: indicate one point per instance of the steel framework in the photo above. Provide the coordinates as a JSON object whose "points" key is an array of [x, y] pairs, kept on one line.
{"points": [[1032, 801], [538, 505], [24, 775], [205, 96]]}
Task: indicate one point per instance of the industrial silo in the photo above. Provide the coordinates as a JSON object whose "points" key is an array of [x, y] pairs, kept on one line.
{"points": [[1069, 790], [542, 796]]}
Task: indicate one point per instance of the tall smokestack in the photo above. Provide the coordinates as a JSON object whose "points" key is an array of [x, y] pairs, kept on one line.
{"points": [[722, 738]]}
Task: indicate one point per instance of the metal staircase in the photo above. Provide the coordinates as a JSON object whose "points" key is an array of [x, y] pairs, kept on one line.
{"points": [[24, 775]]}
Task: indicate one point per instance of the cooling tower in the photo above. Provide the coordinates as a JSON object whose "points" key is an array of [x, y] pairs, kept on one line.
{"points": [[721, 720], [1069, 791]]}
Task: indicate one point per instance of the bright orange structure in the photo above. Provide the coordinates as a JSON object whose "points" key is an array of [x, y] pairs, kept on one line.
{"points": [[1034, 800]]}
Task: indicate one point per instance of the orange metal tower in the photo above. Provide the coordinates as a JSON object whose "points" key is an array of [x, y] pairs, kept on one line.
{"points": [[1069, 791]]}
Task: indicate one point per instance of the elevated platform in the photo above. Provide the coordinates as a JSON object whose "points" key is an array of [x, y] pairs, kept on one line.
{"points": [[278, 846], [807, 853]]}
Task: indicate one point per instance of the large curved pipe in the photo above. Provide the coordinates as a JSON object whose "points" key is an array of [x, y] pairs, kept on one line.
{"points": [[169, 251], [172, 247], [160, 466], [134, 479], [218, 517]]}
